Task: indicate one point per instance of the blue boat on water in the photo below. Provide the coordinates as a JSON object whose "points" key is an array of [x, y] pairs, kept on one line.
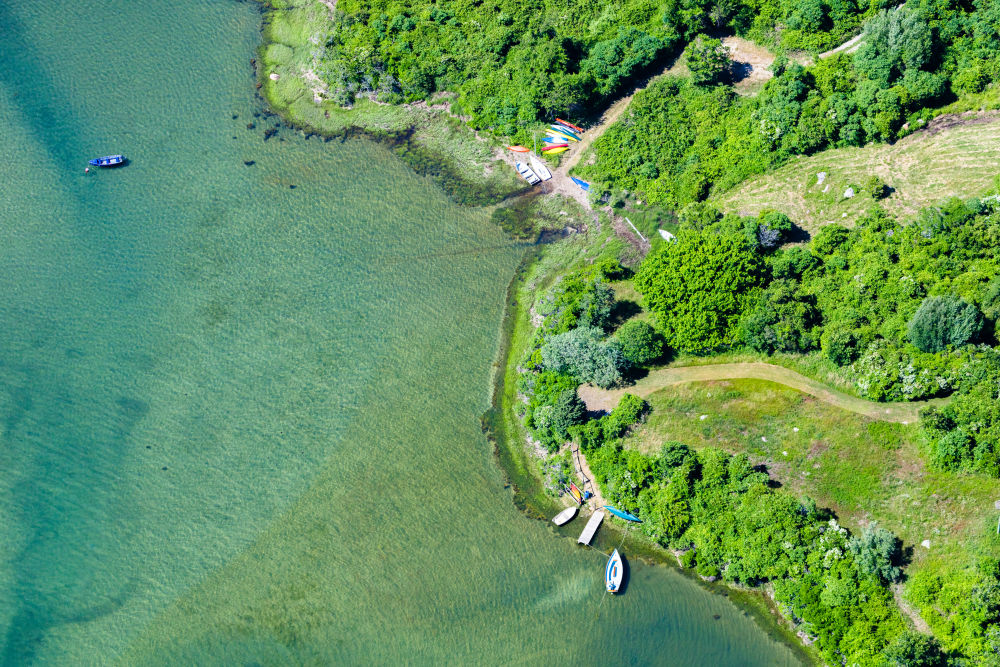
{"points": [[583, 184], [107, 161], [622, 514]]}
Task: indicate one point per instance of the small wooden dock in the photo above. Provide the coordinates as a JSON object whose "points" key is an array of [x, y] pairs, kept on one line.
{"points": [[588, 531]]}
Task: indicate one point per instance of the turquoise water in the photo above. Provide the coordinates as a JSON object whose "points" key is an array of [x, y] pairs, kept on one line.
{"points": [[240, 419]]}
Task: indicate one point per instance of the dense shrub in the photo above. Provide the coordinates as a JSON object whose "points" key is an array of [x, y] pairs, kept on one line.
{"points": [[700, 286], [550, 411], [876, 552], [965, 433], [613, 61], [731, 524], [640, 342], [784, 319], [962, 606], [513, 64], [707, 60], [773, 228], [597, 432], [942, 321], [700, 140], [858, 294], [582, 354], [581, 298]]}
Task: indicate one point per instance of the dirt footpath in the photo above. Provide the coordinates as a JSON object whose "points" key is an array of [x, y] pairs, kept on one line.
{"points": [[606, 399]]}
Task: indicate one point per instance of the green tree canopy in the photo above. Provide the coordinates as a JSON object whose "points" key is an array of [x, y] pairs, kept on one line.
{"points": [[640, 342], [707, 59], [942, 321], [782, 321], [895, 41], [876, 551], [612, 61], [582, 354], [912, 649], [700, 286]]}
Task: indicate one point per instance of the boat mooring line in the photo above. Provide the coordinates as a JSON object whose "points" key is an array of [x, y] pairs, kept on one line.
{"points": [[624, 535]]}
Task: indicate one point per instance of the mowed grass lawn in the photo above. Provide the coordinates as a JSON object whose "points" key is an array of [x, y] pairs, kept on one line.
{"points": [[956, 155], [861, 468]]}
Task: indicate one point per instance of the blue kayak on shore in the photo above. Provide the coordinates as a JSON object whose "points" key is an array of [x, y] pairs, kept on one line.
{"points": [[583, 184], [107, 161], [622, 514]]}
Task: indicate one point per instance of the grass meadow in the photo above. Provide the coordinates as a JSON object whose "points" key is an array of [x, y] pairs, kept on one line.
{"points": [[863, 469], [956, 155]]}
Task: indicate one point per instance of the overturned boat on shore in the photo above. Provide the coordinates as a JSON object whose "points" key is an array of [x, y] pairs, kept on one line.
{"points": [[527, 174]]}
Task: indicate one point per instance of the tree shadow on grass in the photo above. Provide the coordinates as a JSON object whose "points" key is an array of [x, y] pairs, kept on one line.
{"points": [[798, 235], [739, 70], [623, 311]]}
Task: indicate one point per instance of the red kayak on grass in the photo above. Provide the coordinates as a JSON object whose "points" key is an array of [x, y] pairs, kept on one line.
{"points": [[551, 146], [569, 124], [577, 494], [519, 149]]}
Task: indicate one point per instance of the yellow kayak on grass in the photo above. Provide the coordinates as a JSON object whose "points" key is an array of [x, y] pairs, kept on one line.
{"points": [[556, 151]]}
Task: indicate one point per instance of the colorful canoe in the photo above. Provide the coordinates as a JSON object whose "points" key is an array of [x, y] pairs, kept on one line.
{"points": [[565, 134], [552, 146], [622, 514], [563, 129], [583, 184], [556, 150], [554, 140], [519, 149], [565, 516], [577, 493], [569, 124], [614, 572]]}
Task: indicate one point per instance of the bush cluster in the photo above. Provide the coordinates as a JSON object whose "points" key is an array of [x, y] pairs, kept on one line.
{"points": [[572, 346], [680, 139], [897, 307], [514, 63], [732, 524]]}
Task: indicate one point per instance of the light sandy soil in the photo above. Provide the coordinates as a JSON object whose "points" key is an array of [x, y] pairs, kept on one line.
{"points": [[750, 64], [850, 46], [583, 471], [606, 399], [318, 87], [918, 622]]}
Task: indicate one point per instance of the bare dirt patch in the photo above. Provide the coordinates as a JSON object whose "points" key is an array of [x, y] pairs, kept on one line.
{"points": [[817, 448], [750, 64], [850, 46], [950, 121]]}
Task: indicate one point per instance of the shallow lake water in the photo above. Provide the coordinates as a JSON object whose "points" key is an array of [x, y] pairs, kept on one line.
{"points": [[239, 403]]}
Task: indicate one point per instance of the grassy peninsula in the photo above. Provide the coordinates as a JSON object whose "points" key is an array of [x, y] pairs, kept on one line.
{"points": [[803, 234]]}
